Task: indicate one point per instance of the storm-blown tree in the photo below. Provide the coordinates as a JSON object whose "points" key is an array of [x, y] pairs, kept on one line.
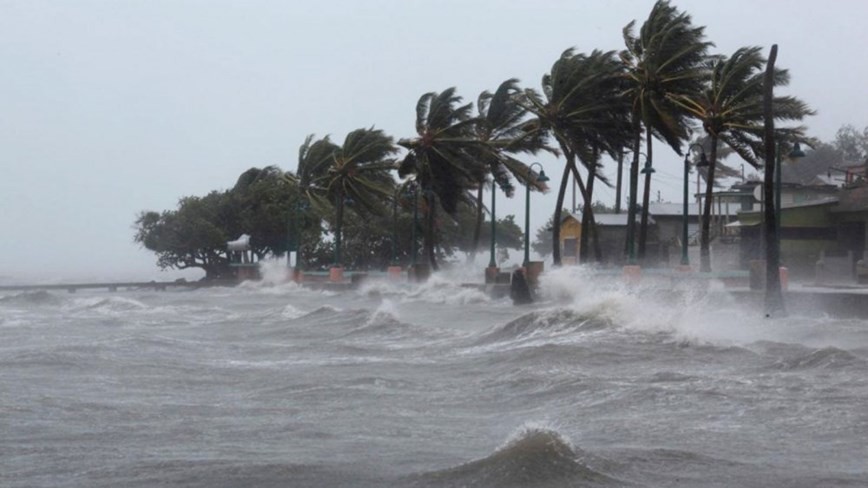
{"points": [[502, 126], [665, 58], [444, 157], [360, 173], [730, 110], [261, 198], [193, 236], [582, 109]]}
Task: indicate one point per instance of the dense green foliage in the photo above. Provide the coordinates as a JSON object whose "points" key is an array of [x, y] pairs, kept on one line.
{"points": [[343, 205]]}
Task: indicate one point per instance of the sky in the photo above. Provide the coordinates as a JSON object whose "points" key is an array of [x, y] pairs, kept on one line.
{"points": [[109, 108]]}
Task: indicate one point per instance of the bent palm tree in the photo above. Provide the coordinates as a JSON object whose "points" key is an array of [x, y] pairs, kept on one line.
{"points": [[730, 109], [443, 157], [582, 109], [664, 59], [360, 172], [314, 159], [503, 128]]}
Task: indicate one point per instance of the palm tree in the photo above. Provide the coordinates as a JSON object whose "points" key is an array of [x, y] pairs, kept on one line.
{"points": [[582, 109], [730, 110], [664, 59], [314, 159], [503, 128], [443, 157], [360, 173]]}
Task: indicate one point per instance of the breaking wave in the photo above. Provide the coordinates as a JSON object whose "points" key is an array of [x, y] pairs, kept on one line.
{"points": [[535, 456], [107, 305], [547, 322], [825, 358], [40, 297]]}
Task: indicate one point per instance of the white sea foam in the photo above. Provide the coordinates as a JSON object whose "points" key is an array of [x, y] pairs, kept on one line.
{"points": [[291, 312], [694, 314]]}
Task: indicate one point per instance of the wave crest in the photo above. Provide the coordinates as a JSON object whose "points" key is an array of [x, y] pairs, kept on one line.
{"points": [[535, 456], [39, 297], [825, 358], [550, 322]]}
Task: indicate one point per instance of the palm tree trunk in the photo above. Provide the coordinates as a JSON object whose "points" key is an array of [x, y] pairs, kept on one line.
{"points": [[562, 191], [339, 220], [592, 221], [619, 181], [588, 210], [774, 299], [429, 231], [634, 183], [705, 237], [477, 230], [591, 230], [643, 228]]}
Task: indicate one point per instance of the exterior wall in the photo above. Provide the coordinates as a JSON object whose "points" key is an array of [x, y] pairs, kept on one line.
{"points": [[570, 229], [806, 232]]}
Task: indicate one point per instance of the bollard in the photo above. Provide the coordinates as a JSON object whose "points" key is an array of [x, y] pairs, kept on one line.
{"points": [[785, 278], [632, 273], [533, 271], [395, 273], [491, 274], [336, 274]]}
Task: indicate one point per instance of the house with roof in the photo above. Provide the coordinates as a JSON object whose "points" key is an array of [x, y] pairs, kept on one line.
{"points": [[612, 229]]}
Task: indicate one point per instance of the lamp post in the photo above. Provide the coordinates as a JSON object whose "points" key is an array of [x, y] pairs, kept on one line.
{"points": [[290, 234], [703, 162], [414, 250], [394, 228], [492, 262], [541, 178]]}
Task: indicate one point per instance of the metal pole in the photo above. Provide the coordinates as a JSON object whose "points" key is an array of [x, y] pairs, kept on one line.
{"points": [[338, 231], [527, 225], [299, 212], [290, 233], [492, 262], [415, 224], [685, 259], [395, 229]]}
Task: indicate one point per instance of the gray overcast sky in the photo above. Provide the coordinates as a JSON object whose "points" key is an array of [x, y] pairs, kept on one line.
{"points": [[113, 107]]}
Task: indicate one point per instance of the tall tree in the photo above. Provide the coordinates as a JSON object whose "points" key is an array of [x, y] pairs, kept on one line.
{"points": [[582, 109], [503, 127], [315, 156], [664, 59], [852, 144], [443, 157], [360, 172], [193, 236], [730, 108], [263, 198]]}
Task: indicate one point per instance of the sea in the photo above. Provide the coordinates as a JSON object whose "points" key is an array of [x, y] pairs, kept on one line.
{"points": [[599, 383]]}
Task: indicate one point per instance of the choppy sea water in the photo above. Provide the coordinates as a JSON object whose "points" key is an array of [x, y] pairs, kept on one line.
{"points": [[430, 386]]}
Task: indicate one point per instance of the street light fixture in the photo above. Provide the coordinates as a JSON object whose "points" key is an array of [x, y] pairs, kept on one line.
{"points": [[703, 162], [540, 178]]}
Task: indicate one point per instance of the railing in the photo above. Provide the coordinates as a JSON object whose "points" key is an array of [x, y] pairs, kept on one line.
{"points": [[114, 286]]}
